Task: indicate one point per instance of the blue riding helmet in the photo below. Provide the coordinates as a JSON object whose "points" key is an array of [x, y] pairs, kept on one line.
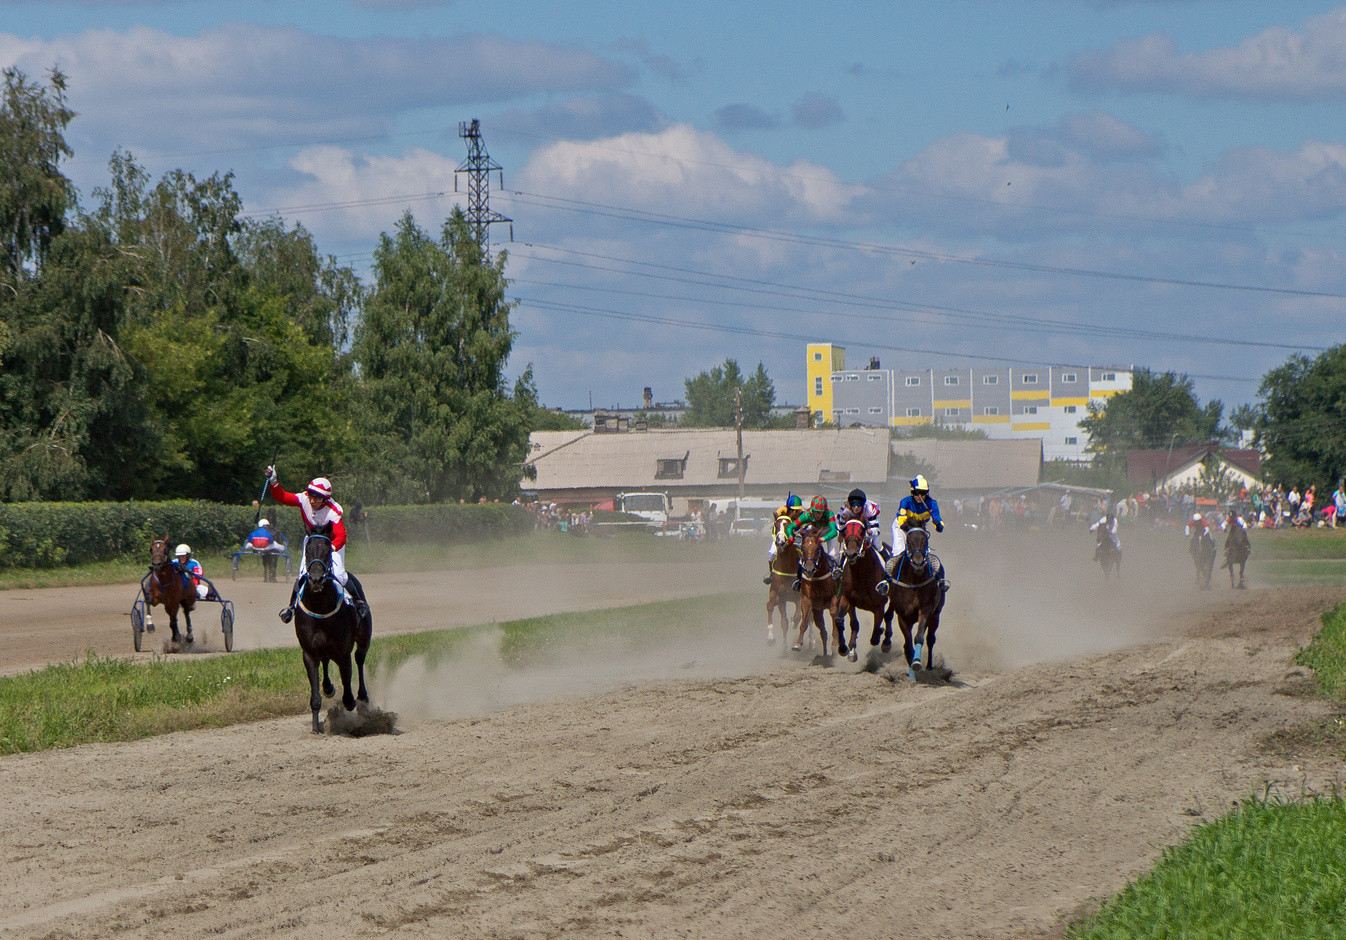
{"points": [[793, 502]]}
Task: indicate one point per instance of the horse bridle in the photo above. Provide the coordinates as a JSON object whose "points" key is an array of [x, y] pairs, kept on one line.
{"points": [[923, 565], [812, 573], [324, 564]]}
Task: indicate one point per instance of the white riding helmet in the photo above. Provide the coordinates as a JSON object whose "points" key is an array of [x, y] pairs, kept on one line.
{"points": [[264, 523], [1196, 517], [183, 549], [321, 486]]}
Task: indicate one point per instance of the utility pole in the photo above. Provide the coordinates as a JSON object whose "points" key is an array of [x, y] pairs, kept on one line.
{"points": [[478, 167], [738, 433]]}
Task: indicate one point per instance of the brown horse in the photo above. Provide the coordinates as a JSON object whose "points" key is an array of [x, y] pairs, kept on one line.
{"points": [[329, 629], [1107, 553], [1237, 548], [781, 591], [918, 598], [1201, 546], [864, 585], [817, 587], [167, 585]]}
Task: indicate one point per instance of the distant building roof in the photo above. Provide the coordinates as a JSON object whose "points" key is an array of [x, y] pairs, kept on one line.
{"points": [[1155, 466], [977, 465], [692, 458]]}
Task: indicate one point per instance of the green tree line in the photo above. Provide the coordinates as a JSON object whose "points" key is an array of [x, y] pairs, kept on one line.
{"points": [[157, 343]]}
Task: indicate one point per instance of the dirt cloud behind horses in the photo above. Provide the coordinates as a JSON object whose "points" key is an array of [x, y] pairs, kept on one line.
{"points": [[1016, 600]]}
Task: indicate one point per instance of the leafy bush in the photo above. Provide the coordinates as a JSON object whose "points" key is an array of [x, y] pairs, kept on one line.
{"points": [[48, 535]]}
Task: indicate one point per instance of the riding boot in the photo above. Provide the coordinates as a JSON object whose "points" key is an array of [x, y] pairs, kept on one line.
{"points": [[287, 614], [357, 592], [769, 572], [799, 579]]}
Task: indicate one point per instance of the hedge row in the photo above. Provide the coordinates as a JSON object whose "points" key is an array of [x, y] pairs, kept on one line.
{"points": [[47, 535]]}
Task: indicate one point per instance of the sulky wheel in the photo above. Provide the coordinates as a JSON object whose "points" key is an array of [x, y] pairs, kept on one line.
{"points": [[227, 627], [137, 624]]}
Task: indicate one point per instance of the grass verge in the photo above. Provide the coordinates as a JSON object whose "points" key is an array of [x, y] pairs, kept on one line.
{"points": [[1269, 869], [100, 699]]}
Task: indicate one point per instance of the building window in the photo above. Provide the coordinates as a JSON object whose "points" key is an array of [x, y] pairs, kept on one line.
{"points": [[669, 468], [950, 412], [874, 378], [1109, 376], [1072, 440], [950, 380], [990, 380], [992, 410], [729, 467], [852, 378], [817, 357], [818, 387], [1071, 409], [852, 411], [1031, 410], [876, 411], [1031, 379], [837, 378], [913, 380], [1068, 377], [913, 412]]}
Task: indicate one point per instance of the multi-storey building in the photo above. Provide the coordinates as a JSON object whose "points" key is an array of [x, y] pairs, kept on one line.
{"points": [[1019, 401]]}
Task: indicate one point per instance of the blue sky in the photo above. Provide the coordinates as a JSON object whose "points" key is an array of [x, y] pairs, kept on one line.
{"points": [[1150, 182]]}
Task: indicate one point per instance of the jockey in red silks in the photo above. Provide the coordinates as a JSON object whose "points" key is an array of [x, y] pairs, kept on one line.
{"points": [[322, 515]]}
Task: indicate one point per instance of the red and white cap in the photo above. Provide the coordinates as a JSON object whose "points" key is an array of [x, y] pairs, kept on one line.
{"points": [[321, 486]]}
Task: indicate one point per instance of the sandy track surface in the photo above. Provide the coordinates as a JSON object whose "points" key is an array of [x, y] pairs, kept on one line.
{"points": [[788, 800], [42, 626]]}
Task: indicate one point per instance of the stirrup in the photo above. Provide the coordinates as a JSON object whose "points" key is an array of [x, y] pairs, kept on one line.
{"points": [[796, 584], [361, 609], [286, 614]]}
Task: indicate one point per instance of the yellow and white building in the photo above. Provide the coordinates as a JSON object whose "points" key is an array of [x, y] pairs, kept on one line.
{"points": [[1021, 401]]}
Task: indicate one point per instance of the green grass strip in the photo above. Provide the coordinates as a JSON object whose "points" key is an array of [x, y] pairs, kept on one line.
{"points": [[1326, 654], [105, 699], [1269, 869]]}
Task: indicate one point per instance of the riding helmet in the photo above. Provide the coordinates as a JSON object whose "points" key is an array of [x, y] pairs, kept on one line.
{"points": [[857, 496], [264, 523], [792, 501], [1196, 517], [183, 549], [321, 486], [818, 504], [919, 485]]}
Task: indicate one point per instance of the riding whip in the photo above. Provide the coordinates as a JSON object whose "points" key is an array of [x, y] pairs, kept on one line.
{"points": [[266, 487]]}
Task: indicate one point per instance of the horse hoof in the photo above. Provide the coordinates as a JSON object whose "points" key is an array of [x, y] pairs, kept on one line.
{"points": [[149, 628], [886, 647], [796, 648], [854, 657]]}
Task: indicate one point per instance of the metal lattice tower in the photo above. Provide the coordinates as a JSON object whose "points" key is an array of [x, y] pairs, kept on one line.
{"points": [[478, 167]]}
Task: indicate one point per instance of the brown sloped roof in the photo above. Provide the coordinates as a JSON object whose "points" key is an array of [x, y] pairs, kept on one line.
{"points": [[628, 461], [977, 465], [1147, 466]]}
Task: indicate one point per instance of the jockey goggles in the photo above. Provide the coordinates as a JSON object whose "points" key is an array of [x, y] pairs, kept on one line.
{"points": [[320, 486]]}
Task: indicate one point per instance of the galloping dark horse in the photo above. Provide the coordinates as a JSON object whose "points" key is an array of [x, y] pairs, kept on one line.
{"points": [[817, 587], [1201, 546], [864, 585], [918, 598], [328, 629], [781, 591], [1236, 551], [1108, 554], [167, 585]]}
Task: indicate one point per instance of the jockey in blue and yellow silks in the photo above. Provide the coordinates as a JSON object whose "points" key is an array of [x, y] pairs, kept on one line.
{"points": [[793, 506], [918, 509]]}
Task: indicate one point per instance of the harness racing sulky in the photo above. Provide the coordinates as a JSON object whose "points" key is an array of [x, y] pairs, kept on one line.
{"points": [[169, 585]]}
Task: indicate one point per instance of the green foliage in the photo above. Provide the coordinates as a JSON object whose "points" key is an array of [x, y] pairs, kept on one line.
{"points": [[1104, 475], [710, 398], [939, 432], [448, 523], [1159, 409], [1299, 420], [433, 412], [1270, 869], [1326, 654], [34, 194]]}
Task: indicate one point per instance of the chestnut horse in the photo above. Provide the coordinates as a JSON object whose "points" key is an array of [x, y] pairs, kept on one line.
{"points": [[781, 591], [1236, 551], [167, 584], [328, 629], [817, 587], [864, 585], [918, 598]]}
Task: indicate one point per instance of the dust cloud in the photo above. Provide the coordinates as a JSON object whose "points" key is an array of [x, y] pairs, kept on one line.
{"points": [[1018, 599]]}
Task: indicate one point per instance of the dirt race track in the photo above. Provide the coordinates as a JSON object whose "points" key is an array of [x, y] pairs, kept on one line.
{"points": [[780, 798]]}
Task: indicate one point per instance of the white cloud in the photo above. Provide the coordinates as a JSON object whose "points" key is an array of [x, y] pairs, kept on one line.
{"points": [[688, 172], [1275, 64], [242, 84]]}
